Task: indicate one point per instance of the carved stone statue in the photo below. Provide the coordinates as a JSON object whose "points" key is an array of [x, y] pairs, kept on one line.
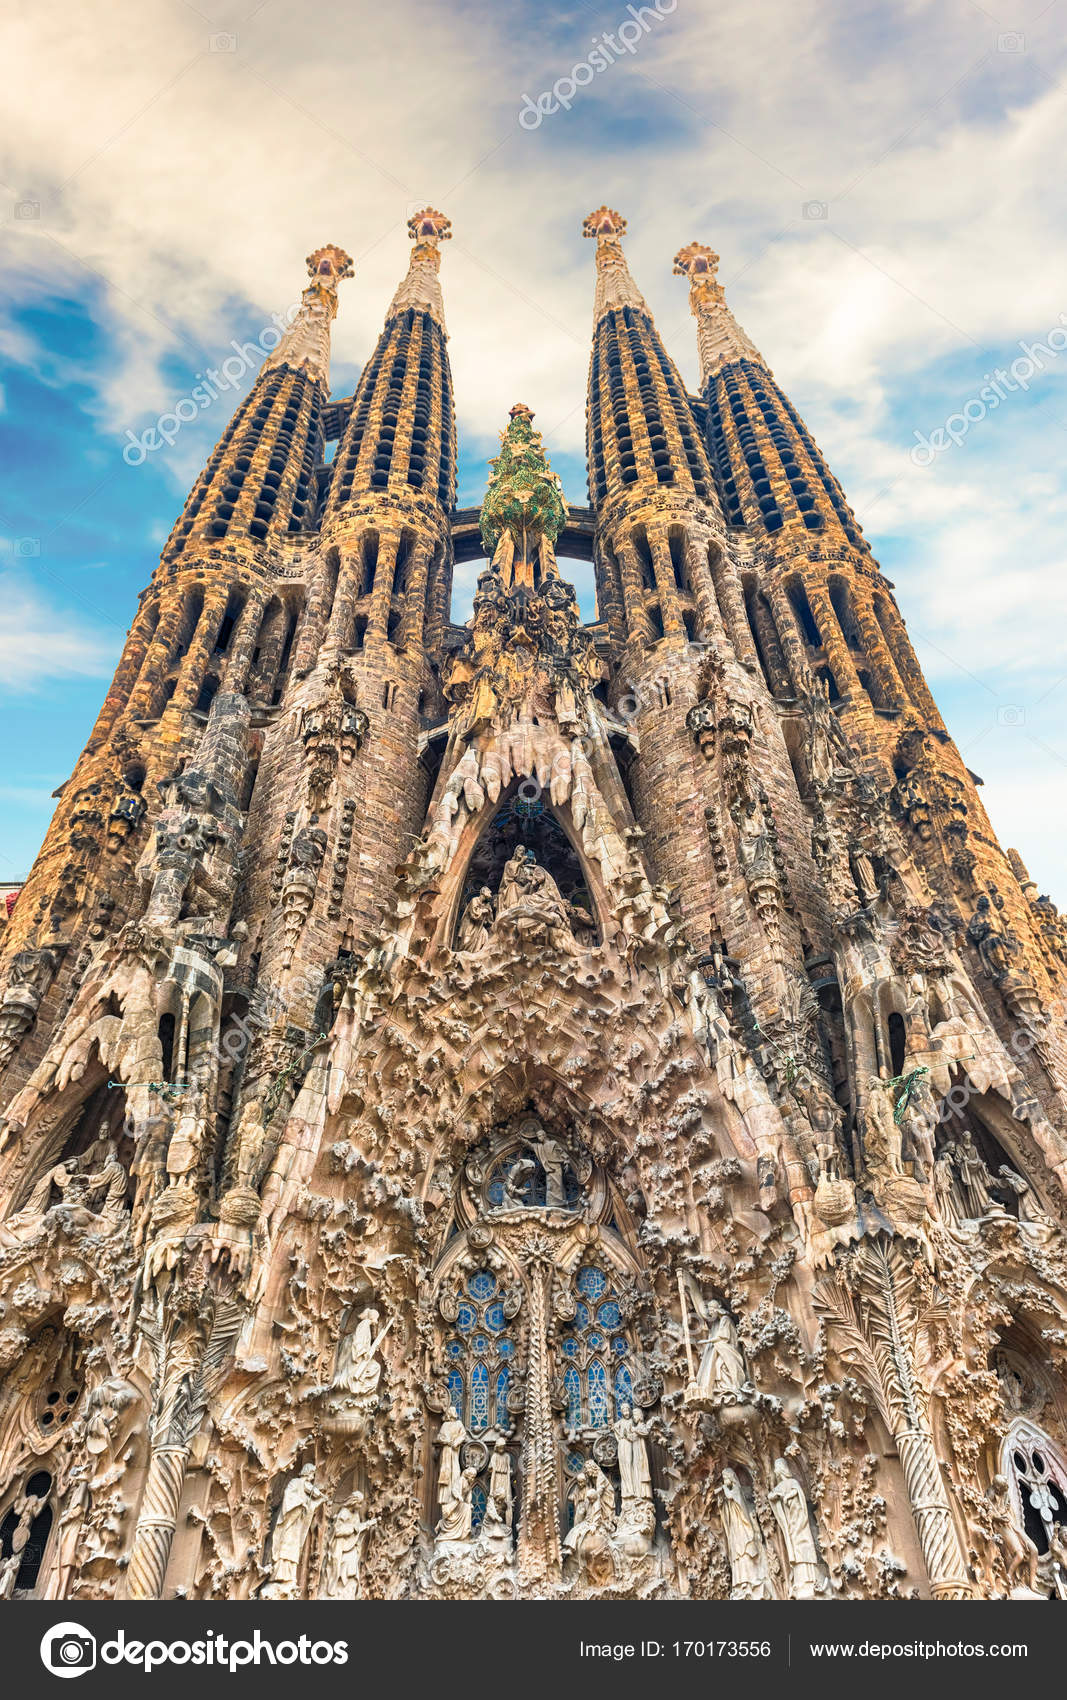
{"points": [[69, 1532], [552, 1157], [636, 1524], [1017, 1550], [882, 1135], [499, 1504], [589, 1537], [353, 1392], [1031, 1216], [476, 924], [457, 1511], [451, 1439], [790, 1508], [744, 1543], [340, 1577], [300, 1502], [634, 1475], [530, 904], [974, 1177], [721, 1376]]}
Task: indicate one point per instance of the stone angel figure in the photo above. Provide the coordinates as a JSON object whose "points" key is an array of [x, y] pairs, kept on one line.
{"points": [[721, 1377]]}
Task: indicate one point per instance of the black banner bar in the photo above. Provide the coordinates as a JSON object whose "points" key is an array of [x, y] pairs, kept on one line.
{"points": [[593, 1647]]}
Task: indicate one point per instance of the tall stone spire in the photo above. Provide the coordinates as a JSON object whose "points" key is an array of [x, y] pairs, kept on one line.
{"points": [[306, 344], [720, 338], [615, 288], [421, 288], [257, 483]]}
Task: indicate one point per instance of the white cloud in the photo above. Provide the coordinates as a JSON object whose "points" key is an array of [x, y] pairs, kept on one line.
{"points": [[39, 644]]}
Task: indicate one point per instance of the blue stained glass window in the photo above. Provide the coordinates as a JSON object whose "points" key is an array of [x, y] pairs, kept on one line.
{"points": [[466, 1318], [479, 1500], [608, 1315], [479, 1412], [503, 1383], [572, 1386], [619, 1346], [569, 1346], [496, 1192], [506, 1348], [598, 1395], [481, 1284], [495, 1318], [596, 1341], [455, 1348], [624, 1387], [480, 1343], [581, 1316], [592, 1282], [575, 1461], [455, 1387]]}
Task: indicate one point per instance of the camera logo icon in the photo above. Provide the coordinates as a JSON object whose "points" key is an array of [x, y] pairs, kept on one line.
{"points": [[815, 209], [68, 1650]]}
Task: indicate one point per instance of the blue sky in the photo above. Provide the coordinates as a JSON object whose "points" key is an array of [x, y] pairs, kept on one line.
{"points": [[884, 184]]}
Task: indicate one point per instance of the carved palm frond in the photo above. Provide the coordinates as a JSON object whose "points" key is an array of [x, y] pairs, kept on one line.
{"points": [[834, 1306]]}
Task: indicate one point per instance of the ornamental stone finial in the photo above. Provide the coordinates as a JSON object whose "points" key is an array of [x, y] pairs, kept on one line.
{"points": [[329, 264], [421, 288], [720, 339], [604, 222]]}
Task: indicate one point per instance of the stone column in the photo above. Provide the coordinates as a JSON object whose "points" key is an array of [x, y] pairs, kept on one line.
{"points": [[539, 1544]]}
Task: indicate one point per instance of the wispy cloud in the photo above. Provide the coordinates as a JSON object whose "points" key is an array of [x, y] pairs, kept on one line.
{"points": [[40, 643]]}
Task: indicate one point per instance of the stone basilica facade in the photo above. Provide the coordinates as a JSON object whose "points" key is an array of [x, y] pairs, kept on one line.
{"points": [[528, 1109]]}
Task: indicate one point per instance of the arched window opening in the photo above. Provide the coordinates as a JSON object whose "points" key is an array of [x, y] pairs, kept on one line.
{"points": [[1037, 1471], [403, 561], [798, 601], [655, 620], [675, 541], [370, 563], [765, 639], [897, 1042], [25, 1530], [234, 605], [207, 694], [639, 538], [831, 1025], [166, 1031], [359, 635], [826, 677]]}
